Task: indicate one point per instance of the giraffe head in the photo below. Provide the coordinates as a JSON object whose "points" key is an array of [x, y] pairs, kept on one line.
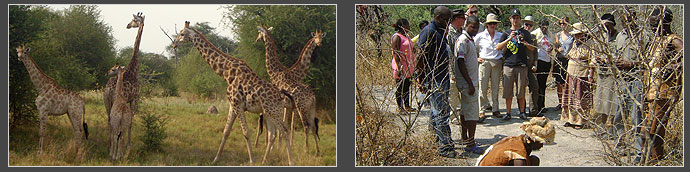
{"points": [[263, 33], [114, 70], [318, 37], [137, 21], [185, 35], [22, 52]]}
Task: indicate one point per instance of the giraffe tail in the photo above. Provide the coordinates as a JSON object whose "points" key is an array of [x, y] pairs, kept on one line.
{"points": [[316, 127], [289, 97], [86, 127], [261, 125]]}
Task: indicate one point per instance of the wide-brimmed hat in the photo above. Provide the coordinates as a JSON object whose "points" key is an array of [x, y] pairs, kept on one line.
{"points": [[528, 19], [579, 28], [539, 129], [491, 18]]}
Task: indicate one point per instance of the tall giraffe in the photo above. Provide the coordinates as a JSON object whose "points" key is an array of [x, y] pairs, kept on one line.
{"points": [[287, 80], [246, 92], [301, 67], [131, 72], [53, 100], [120, 119]]}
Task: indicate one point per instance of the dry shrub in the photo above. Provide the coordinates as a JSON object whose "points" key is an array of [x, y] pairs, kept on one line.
{"points": [[382, 137]]}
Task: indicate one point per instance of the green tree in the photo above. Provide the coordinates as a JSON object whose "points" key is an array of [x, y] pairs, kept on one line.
{"points": [[73, 46], [155, 72], [292, 27], [25, 24], [224, 44], [193, 74]]}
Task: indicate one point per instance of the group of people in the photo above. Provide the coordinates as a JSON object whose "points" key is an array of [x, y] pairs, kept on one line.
{"points": [[456, 58]]}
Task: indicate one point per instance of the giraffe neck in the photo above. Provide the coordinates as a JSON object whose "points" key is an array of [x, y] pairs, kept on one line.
{"points": [[133, 67], [302, 65], [219, 61], [118, 85], [40, 80], [273, 66]]}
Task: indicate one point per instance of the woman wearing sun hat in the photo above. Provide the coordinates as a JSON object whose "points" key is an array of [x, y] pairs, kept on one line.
{"points": [[490, 65], [577, 95], [516, 150]]}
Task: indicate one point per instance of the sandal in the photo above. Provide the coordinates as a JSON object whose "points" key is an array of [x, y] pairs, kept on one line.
{"points": [[567, 124]]}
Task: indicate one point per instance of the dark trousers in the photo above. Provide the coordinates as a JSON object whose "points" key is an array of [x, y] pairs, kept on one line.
{"points": [[402, 94], [542, 74], [532, 86]]}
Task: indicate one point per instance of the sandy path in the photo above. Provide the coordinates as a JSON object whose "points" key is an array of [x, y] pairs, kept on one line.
{"points": [[571, 148]]}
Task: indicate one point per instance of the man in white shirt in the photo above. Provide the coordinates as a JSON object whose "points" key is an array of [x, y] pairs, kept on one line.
{"points": [[466, 72]]}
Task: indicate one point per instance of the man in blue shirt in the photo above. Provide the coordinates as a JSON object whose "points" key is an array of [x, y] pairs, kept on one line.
{"points": [[433, 68]]}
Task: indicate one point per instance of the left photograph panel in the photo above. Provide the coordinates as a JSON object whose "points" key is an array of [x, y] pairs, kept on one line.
{"points": [[172, 85]]}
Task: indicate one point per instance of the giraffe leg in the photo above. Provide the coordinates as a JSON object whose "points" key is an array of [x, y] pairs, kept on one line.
{"points": [[128, 127], [283, 128], [114, 135], [232, 114], [75, 115], [314, 126], [305, 126], [259, 128], [245, 132], [43, 118], [271, 134], [292, 127]]}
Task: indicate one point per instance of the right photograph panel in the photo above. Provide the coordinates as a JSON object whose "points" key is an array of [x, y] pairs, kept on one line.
{"points": [[519, 85]]}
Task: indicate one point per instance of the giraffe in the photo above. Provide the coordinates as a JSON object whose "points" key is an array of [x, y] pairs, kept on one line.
{"points": [[53, 100], [120, 119], [301, 67], [246, 92], [131, 71], [287, 80]]}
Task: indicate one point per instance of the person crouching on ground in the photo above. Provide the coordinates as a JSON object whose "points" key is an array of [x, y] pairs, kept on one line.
{"points": [[516, 150]]}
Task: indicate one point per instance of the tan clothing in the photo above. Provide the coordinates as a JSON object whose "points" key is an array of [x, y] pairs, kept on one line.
{"points": [[661, 87], [501, 152], [579, 60]]}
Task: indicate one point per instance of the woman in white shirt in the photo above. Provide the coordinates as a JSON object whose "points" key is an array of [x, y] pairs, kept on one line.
{"points": [[490, 65]]}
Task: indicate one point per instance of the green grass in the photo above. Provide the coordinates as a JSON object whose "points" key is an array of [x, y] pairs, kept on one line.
{"points": [[193, 139]]}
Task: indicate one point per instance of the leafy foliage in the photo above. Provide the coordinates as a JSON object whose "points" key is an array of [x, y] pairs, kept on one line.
{"points": [[73, 46], [25, 23], [154, 131], [193, 73], [195, 76], [292, 27], [155, 72]]}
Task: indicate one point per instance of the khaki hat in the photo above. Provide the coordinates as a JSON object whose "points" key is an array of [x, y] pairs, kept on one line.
{"points": [[579, 28], [528, 19], [539, 129], [491, 18]]}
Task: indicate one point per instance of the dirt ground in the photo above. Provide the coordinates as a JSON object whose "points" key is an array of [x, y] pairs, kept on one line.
{"points": [[571, 147]]}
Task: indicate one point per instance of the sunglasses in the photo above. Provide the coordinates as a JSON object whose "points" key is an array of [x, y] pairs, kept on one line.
{"points": [[474, 12], [528, 25], [491, 23]]}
